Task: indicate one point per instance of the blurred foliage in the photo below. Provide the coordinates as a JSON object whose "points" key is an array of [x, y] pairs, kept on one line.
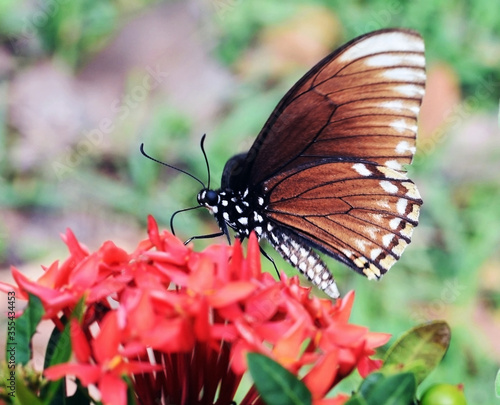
{"points": [[68, 30], [444, 274], [463, 33]]}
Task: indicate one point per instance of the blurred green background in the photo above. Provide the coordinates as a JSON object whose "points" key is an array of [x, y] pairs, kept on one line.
{"points": [[84, 82]]}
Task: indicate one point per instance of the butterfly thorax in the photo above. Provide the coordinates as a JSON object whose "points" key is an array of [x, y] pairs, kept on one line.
{"points": [[242, 211]]}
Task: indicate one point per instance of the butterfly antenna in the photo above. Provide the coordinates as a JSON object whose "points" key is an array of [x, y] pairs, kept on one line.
{"points": [[202, 146], [178, 212], [173, 167]]}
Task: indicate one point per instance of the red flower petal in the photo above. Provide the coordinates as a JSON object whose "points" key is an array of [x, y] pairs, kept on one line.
{"points": [[202, 278], [86, 373], [79, 342], [173, 335], [112, 254], [78, 252], [230, 293], [344, 308], [253, 256], [367, 366], [321, 377], [340, 399], [52, 299], [264, 304], [154, 234], [113, 390], [105, 345]]}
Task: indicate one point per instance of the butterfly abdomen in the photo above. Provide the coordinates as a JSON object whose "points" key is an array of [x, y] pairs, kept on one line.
{"points": [[303, 258]]}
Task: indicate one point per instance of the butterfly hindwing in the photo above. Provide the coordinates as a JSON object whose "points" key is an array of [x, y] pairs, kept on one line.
{"points": [[363, 214]]}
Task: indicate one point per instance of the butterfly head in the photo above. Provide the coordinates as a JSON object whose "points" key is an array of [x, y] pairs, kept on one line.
{"points": [[209, 199]]}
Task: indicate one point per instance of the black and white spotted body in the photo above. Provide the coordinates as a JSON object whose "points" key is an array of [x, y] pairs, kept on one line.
{"points": [[246, 212]]}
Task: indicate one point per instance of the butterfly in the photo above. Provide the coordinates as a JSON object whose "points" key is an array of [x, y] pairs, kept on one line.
{"points": [[327, 171]]}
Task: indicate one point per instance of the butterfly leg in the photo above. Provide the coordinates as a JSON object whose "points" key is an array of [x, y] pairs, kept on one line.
{"points": [[303, 258], [211, 235], [264, 253]]}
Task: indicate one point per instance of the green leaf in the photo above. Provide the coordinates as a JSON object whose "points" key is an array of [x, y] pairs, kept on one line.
{"points": [[23, 395], [369, 382], [81, 396], [131, 397], [419, 350], [276, 385], [25, 329], [497, 385], [356, 399], [398, 389], [59, 351], [59, 346]]}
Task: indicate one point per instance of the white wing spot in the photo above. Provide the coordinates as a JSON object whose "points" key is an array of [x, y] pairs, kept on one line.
{"points": [[371, 272], [394, 223], [362, 169], [400, 247], [403, 147], [412, 189], [387, 239], [400, 105], [413, 215], [389, 187], [347, 252], [405, 74], [399, 125], [243, 220], [392, 174], [394, 104], [409, 59], [372, 232], [410, 90], [387, 262], [383, 204], [375, 253], [407, 230], [361, 244], [383, 43], [393, 164], [401, 206]]}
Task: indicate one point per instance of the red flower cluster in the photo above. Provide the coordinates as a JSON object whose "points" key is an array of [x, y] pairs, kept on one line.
{"points": [[179, 323]]}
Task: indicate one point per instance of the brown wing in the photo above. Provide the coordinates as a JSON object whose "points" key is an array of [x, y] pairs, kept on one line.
{"points": [[360, 102], [363, 214]]}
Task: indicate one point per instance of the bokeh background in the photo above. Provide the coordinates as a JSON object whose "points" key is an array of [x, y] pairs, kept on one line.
{"points": [[84, 82]]}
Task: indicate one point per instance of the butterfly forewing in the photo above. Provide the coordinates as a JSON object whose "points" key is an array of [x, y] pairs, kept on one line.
{"points": [[360, 102]]}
